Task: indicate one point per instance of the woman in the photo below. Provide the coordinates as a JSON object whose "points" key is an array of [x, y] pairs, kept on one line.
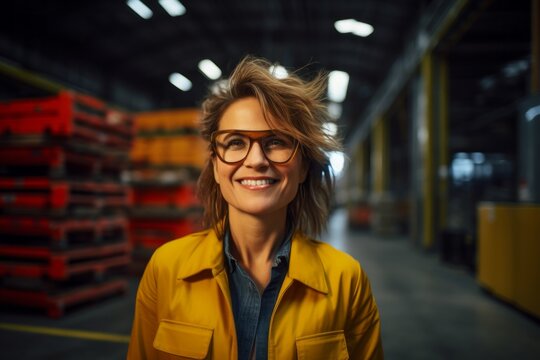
{"points": [[255, 286]]}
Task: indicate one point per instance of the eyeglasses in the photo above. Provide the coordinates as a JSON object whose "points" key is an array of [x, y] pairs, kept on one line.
{"points": [[233, 146]]}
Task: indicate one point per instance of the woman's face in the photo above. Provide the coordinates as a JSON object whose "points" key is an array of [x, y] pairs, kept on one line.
{"points": [[255, 185]]}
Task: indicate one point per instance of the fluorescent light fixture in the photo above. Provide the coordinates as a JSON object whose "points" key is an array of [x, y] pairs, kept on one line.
{"points": [[532, 113], [338, 81], [337, 161], [515, 68], [140, 8], [278, 71], [353, 26], [335, 110], [180, 81], [478, 157], [208, 68], [173, 7], [330, 128]]}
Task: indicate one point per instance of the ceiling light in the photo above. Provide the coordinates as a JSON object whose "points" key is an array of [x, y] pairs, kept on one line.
{"points": [[354, 27], [140, 8], [532, 113], [278, 71], [330, 128], [338, 81], [337, 161], [334, 110], [173, 7], [208, 68], [180, 81]]}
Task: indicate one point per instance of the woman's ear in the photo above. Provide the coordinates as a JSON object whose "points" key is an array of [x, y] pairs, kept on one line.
{"points": [[214, 166]]}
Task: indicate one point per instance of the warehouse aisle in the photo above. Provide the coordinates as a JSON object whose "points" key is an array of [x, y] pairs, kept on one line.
{"points": [[433, 311], [428, 311]]}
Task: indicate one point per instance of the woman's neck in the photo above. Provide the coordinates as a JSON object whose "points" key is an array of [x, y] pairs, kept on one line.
{"points": [[256, 239]]}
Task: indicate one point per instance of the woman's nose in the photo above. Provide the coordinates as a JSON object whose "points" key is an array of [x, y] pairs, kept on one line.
{"points": [[255, 156]]}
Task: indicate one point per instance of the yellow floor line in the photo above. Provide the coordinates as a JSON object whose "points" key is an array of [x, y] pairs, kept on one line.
{"points": [[89, 335]]}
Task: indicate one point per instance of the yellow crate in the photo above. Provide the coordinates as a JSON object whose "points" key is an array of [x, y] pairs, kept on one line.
{"points": [[157, 151], [139, 150], [168, 120], [183, 119], [188, 150]]}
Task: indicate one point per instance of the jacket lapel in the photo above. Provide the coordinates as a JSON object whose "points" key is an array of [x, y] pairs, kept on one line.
{"points": [[305, 264], [206, 255]]}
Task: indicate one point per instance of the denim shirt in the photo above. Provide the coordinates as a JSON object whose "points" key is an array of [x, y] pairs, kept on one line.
{"points": [[252, 310]]}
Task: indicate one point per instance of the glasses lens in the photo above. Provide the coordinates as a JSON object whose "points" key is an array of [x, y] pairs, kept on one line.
{"points": [[233, 147], [278, 148]]}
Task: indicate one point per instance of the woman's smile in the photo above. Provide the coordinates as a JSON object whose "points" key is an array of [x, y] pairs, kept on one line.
{"points": [[257, 183]]}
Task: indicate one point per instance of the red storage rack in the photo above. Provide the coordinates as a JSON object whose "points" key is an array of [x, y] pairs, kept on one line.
{"points": [[60, 233], [39, 193], [113, 164], [56, 303], [153, 232], [120, 122], [181, 196], [67, 115], [56, 158], [62, 201], [40, 262]]}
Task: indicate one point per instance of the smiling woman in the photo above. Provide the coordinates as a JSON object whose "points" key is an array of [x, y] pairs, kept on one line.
{"points": [[256, 285]]}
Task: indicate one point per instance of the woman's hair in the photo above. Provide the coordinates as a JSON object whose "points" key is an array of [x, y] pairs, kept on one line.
{"points": [[295, 106]]}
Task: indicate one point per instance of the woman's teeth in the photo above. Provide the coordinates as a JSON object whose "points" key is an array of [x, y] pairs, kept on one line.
{"points": [[257, 182]]}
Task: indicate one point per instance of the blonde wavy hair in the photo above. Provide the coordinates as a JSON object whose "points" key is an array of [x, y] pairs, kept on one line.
{"points": [[295, 106]]}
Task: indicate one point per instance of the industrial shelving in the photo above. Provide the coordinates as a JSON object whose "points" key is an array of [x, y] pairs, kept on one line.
{"points": [[166, 159], [64, 231]]}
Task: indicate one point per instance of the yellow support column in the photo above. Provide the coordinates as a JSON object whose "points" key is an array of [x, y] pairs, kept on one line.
{"points": [[379, 157], [384, 220], [426, 144], [443, 130], [359, 211], [361, 170]]}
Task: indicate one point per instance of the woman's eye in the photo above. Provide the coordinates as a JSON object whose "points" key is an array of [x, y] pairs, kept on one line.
{"points": [[275, 142], [235, 144]]}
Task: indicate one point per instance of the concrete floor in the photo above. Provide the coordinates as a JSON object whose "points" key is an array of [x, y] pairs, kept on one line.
{"points": [[429, 311]]}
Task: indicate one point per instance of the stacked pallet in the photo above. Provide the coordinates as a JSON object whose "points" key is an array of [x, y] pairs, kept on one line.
{"points": [[63, 207], [166, 159]]}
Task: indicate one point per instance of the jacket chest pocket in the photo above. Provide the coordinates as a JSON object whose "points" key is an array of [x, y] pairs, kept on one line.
{"points": [[329, 345], [182, 340]]}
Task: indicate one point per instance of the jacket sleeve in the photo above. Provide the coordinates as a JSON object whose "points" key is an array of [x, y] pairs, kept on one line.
{"points": [[145, 322], [364, 330]]}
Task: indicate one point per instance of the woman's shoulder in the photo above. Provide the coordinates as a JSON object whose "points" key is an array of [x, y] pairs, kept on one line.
{"points": [[333, 258], [181, 247]]}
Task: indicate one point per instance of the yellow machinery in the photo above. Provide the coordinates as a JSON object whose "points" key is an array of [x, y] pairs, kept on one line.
{"points": [[509, 253]]}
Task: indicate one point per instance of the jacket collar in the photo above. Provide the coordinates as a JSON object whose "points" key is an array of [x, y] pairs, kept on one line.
{"points": [[206, 255], [305, 265]]}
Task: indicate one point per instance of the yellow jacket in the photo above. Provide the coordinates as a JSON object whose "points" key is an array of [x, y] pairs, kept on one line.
{"points": [[324, 310]]}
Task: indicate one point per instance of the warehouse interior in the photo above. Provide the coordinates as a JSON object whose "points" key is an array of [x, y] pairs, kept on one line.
{"points": [[437, 189]]}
